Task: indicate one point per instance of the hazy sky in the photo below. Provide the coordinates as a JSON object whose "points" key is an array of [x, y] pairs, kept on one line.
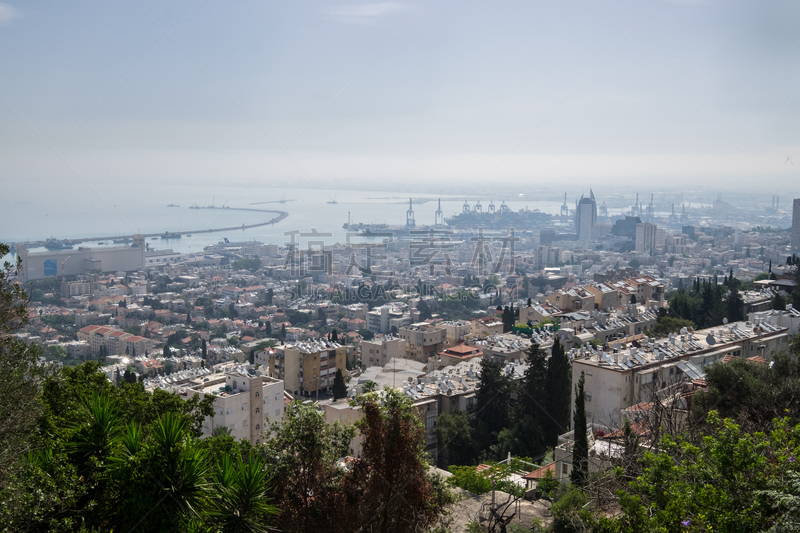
{"points": [[469, 93]]}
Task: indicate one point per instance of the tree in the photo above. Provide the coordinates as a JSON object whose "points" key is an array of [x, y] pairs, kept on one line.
{"points": [[114, 457], [204, 349], [734, 304], [366, 334], [20, 374], [306, 451], [779, 302], [558, 391], [491, 404], [166, 351], [390, 483], [750, 393], [747, 479], [334, 336], [508, 319], [283, 332], [525, 437], [580, 451], [454, 433], [424, 310], [128, 376], [252, 264], [667, 324], [339, 386]]}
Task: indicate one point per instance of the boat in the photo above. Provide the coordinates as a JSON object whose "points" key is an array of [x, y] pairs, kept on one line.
{"points": [[55, 244], [173, 205], [188, 234], [101, 242], [153, 238]]}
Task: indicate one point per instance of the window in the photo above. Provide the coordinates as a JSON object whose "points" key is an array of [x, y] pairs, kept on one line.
{"points": [[229, 410], [244, 406], [258, 426], [257, 394], [277, 412], [258, 409]]}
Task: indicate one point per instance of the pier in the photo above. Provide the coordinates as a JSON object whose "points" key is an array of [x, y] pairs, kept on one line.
{"points": [[175, 234]]}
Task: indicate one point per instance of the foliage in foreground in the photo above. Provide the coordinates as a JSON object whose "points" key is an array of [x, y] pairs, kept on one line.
{"points": [[727, 482]]}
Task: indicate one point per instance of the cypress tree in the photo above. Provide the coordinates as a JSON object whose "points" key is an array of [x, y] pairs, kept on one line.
{"points": [[339, 386], [557, 393], [580, 451], [530, 411]]}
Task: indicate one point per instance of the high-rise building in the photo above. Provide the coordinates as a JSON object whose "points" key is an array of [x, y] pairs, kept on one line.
{"points": [[796, 225], [645, 236], [585, 217]]}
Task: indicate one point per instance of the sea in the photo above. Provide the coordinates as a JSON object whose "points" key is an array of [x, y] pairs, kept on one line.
{"points": [[107, 210]]}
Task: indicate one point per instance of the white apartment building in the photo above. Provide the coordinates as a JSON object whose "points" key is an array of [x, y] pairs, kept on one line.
{"points": [[383, 318], [629, 375], [645, 237], [246, 402]]}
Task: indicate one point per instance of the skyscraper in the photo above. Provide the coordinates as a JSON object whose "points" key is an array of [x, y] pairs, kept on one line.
{"points": [[645, 237], [585, 217], [796, 225]]}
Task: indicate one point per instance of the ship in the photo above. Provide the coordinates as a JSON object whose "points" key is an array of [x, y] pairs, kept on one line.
{"points": [[168, 235], [55, 244], [173, 205]]}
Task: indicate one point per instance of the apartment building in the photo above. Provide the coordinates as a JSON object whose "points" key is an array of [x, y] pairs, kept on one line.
{"points": [[645, 237], [231, 292], [576, 299], [647, 288], [488, 325], [505, 347], [423, 340], [628, 375], [378, 352], [605, 297], [114, 341], [245, 401], [456, 331], [309, 366], [382, 319]]}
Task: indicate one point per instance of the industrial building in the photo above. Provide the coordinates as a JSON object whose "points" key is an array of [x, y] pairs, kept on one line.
{"points": [[38, 265]]}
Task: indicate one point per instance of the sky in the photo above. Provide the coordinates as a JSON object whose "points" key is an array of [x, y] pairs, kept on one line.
{"points": [[454, 94]]}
